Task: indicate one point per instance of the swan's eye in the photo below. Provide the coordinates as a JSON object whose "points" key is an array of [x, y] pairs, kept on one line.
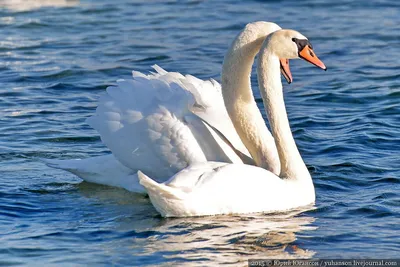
{"points": [[301, 43]]}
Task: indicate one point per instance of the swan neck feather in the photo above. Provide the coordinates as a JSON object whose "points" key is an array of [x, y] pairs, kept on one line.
{"points": [[292, 165], [239, 99]]}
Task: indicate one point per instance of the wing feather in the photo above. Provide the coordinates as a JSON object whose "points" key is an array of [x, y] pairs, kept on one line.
{"points": [[148, 122]]}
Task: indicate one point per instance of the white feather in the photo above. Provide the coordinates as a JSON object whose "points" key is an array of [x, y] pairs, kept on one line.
{"points": [[220, 188], [155, 123], [162, 122], [105, 170]]}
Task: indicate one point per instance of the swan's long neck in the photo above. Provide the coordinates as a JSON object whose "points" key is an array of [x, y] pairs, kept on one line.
{"points": [[292, 165], [239, 100]]}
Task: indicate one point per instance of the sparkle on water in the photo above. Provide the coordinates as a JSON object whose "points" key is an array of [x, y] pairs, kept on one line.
{"points": [[57, 58]]}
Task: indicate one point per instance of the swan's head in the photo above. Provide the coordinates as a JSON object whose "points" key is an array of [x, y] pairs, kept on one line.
{"points": [[260, 29], [290, 44]]}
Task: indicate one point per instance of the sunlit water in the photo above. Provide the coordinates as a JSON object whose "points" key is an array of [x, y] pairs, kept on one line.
{"points": [[57, 60]]}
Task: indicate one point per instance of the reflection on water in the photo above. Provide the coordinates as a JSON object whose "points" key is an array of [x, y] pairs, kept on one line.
{"points": [[199, 240], [26, 5], [233, 239]]}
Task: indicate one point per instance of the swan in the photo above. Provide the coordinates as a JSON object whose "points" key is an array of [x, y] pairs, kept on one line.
{"points": [[224, 188], [163, 122]]}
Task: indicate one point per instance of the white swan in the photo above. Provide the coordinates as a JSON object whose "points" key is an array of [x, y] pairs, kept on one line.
{"points": [[161, 123], [221, 188]]}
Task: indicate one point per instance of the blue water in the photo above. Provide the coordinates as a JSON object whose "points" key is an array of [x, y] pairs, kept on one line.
{"points": [[57, 60]]}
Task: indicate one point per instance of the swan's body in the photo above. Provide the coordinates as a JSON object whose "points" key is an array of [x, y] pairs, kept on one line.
{"points": [[221, 188], [163, 122]]}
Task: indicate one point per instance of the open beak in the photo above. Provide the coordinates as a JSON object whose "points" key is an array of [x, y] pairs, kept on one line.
{"points": [[285, 70], [308, 55]]}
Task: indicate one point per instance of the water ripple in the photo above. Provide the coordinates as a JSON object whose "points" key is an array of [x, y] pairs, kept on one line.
{"points": [[57, 58]]}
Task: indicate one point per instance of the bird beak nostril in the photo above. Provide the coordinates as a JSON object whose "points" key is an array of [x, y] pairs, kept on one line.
{"points": [[308, 55]]}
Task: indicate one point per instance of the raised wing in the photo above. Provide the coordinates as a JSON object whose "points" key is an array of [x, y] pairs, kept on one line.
{"points": [[149, 124]]}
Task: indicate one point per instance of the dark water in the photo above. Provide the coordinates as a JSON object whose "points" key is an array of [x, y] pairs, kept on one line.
{"points": [[55, 62]]}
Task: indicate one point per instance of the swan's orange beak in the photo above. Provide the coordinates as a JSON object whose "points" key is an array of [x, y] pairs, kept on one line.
{"points": [[308, 55], [285, 70]]}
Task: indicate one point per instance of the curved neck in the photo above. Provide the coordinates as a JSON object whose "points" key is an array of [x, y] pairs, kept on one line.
{"points": [[292, 165], [239, 99]]}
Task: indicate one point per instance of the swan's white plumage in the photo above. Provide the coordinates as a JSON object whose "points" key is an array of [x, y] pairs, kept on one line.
{"points": [[156, 123], [221, 188], [162, 122], [152, 123], [105, 170]]}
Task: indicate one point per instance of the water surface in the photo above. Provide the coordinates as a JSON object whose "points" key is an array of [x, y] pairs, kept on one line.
{"points": [[56, 61]]}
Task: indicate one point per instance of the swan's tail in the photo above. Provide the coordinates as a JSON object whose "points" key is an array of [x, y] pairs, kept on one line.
{"points": [[154, 188], [68, 165], [81, 168], [106, 170], [164, 198]]}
